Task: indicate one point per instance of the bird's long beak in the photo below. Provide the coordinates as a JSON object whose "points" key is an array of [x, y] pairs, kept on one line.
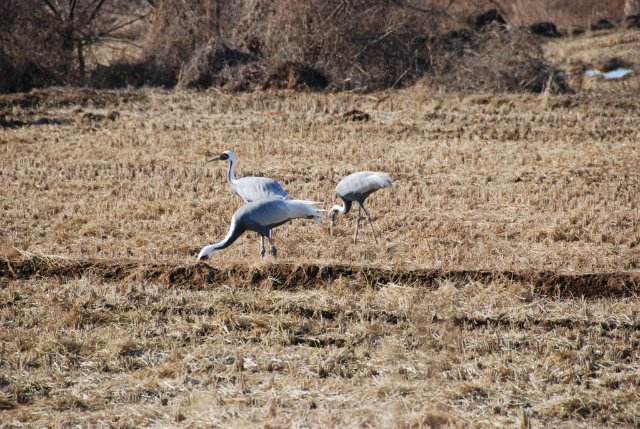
{"points": [[332, 221], [217, 158]]}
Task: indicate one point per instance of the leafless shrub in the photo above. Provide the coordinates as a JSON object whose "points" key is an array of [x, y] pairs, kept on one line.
{"points": [[178, 29], [359, 45], [21, 75], [497, 60], [363, 45], [47, 42]]}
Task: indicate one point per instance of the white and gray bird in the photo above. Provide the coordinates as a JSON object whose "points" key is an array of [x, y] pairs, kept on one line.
{"points": [[262, 216], [356, 188], [250, 189]]}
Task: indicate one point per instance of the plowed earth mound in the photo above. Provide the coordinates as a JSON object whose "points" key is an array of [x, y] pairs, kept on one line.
{"points": [[294, 276]]}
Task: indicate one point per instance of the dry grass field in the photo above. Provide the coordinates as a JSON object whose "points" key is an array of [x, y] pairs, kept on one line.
{"points": [[107, 319], [481, 182]]}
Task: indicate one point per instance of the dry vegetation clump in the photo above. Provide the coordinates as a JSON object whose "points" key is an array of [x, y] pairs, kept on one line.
{"points": [[147, 354], [357, 45], [205, 66], [127, 74], [495, 60], [21, 76], [294, 75], [567, 14], [360, 45]]}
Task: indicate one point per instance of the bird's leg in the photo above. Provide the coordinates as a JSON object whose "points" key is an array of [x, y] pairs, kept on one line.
{"points": [[355, 237], [274, 251], [262, 251], [370, 223]]}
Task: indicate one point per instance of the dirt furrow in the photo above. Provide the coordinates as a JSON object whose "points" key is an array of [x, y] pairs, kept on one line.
{"points": [[292, 276]]}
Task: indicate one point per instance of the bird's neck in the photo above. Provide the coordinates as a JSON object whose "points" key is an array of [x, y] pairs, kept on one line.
{"points": [[235, 231], [344, 209], [231, 176]]}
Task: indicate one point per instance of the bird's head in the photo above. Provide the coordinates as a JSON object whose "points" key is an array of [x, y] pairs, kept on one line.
{"points": [[333, 214], [205, 253], [227, 155]]}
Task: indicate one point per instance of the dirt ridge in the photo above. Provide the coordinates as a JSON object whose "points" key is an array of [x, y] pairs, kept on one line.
{"points": [[297, 276]]}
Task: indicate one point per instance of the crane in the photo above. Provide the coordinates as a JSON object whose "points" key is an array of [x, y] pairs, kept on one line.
{"points": [[356, 188], [250, 188], [262, 216]]}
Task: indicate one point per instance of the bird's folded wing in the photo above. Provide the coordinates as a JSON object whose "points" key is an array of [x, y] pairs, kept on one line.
{"points": [[259, 188], [277, 210]]}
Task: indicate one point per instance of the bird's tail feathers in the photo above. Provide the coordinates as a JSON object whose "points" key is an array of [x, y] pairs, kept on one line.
{"points": [[310, 211]]}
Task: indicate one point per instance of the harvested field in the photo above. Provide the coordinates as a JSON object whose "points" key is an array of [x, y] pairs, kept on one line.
{"points": [[99, 352], [504, 291], [481, 182]]}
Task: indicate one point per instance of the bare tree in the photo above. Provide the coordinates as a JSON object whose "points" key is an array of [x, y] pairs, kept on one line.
{"points": [[82, 23]]}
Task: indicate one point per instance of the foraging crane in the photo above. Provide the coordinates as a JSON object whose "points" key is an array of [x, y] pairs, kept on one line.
{"points": [[250, 188], [262, 216], [356, 188]]}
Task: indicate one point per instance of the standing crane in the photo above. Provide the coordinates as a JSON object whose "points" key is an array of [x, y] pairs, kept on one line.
{"points": [[262, 216], [250, 189], [356, 188]]}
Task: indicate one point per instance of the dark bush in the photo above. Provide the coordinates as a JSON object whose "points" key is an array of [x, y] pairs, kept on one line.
{"points": [[546, 29], [294, 75], [488, 17], [19, 75], [492, 61], [122, 75], [602, 24]]}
